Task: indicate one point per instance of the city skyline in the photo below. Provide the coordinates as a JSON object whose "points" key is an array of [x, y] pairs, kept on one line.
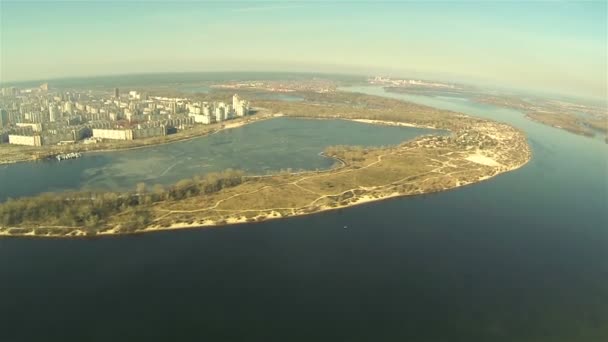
{"points": [[545, 46]]}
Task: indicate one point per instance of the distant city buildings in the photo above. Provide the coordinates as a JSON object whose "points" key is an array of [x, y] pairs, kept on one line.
{"points": [[3, 118], [208, 113], [34, 127], [241, 107], [43, 116], [408, 82], [134, 95], [53, 112], [10, 91]]}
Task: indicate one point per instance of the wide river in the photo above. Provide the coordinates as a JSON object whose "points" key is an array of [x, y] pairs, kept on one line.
{"points": [[521, 257]]}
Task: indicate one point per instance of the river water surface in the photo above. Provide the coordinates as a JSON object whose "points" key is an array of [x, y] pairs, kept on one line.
{"points": [[521, 257]]}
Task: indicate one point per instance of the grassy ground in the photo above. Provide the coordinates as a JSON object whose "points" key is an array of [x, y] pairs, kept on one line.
{"points": [[570, 123]]}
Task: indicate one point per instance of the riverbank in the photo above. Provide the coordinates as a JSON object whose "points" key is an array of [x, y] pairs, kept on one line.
{"points": [[273, 215], [558, 114], [240, 219], [392, 123], [425, 165], [10, 154], [475, 150]]}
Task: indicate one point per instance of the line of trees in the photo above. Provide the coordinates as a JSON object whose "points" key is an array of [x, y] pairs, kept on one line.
{"points": [[95, 211], [347, 153]]}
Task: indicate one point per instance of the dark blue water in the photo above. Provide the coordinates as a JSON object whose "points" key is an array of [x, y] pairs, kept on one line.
{"points": [[521, 257]]}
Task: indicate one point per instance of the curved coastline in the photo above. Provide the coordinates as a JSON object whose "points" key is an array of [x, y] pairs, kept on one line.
{"points": [[204, 225], [358, 201], [356, 196]]}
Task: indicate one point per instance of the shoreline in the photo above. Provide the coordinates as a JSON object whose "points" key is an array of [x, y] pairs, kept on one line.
{"points": [[364, 199], [357, 196], [237, 124], [369, 122], [232, 221], [274, 215], [392, 123], [229, 126]]}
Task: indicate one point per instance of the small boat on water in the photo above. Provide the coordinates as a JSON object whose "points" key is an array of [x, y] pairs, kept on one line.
{"points": [[66, 156]]}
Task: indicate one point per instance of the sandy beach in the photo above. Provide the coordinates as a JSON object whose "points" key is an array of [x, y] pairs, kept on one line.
{"points": [[390, 123]]}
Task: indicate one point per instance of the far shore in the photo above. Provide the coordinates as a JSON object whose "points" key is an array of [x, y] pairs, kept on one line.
{"points": [[391, 123], [367, 121], [228, 125]]}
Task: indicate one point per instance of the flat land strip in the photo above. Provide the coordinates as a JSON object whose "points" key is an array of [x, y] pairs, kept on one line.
{"points": [[587, 120]]}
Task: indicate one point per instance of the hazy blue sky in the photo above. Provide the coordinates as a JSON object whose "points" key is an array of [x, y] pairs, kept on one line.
{"points": [[552, 46]]}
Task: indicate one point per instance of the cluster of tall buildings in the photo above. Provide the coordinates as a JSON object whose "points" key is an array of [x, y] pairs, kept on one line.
{"points": [[40, 116], [208, 113]]}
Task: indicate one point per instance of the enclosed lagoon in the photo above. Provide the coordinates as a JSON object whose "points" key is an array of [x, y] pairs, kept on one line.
{"points": [[257, 148]]}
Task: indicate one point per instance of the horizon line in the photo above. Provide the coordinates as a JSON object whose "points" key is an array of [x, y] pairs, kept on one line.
{"points": [[498, 86]]}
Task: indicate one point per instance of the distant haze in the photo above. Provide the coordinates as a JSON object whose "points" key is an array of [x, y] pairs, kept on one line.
{"points": [[548, 46]]}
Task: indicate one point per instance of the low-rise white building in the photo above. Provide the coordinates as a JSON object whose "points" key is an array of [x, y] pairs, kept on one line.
{"points": [[28, 140], [130, 134], [113, 134], [204, 119], [147, 132]]}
